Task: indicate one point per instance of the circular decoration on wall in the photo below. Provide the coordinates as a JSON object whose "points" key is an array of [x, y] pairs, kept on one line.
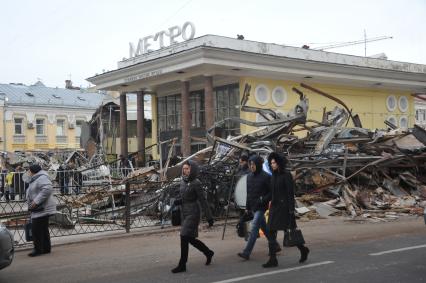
{"points": [[403, 122], [392, 119], [391, 102], [403, 103], [262, 95], [279, 96]]}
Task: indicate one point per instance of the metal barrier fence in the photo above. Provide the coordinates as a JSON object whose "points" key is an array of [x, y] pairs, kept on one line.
{"points": [[88, 201]]}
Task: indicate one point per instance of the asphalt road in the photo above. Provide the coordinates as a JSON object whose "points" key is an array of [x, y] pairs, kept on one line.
{"points": [[340, 252]]}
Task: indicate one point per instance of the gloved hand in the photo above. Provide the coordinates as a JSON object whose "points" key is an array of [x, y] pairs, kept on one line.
{"points": [[210, 221], [177, 201]]}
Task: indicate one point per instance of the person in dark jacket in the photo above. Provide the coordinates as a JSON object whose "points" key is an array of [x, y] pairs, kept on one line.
{"points": [[243, 167], [191, 195], [63, 178], [18, 183], [281, 211], [2, 182], [41, 204], [258, 196]]}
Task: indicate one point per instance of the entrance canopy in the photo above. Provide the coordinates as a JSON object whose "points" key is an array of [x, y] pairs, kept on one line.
{"points": [[226, 58]]}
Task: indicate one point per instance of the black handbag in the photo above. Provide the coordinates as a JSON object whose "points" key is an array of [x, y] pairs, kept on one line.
{"points": [[242, 224], [242, 229], [293, 237], [176, 215], [28, 232]]}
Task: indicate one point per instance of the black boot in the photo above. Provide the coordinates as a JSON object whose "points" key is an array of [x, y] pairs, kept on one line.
{"points": [[180, 268], [209, 256], [277, 248], [34, 253], [272, 262], [304, 251]]}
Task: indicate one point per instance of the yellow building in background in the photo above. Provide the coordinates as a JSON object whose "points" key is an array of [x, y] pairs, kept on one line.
{"points": [[37, 117]]}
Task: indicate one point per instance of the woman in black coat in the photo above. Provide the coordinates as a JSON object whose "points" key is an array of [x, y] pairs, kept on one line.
{"points": [[191, 196], [281, 212]]}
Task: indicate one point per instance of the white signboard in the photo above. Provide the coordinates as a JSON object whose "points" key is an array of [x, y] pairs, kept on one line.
{"points": [[143, 76], [187, 32]]}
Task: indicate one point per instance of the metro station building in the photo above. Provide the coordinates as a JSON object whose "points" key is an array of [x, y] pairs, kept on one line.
{"points": [[194, 83]]}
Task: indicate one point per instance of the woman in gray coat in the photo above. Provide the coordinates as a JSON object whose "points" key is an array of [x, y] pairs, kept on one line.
{"points": [[41, 205], [191, 196]]}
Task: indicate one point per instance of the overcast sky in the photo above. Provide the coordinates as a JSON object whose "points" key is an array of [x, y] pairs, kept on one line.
{"points": [[54, 40]]}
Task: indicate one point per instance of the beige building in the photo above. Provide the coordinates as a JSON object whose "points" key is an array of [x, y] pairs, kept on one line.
{"points": [[37, 117]]}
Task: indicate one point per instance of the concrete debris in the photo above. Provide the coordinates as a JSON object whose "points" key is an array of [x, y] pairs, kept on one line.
{"points": [[338, 166], [302, 210], [324, 209]]}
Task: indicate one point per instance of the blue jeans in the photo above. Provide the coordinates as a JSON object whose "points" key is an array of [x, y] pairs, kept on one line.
{"points": [[258, 222]]}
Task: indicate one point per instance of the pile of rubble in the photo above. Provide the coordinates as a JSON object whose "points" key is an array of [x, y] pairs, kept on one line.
{"points": [[337, 169]]}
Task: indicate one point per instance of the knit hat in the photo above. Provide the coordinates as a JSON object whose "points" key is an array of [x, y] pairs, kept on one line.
{"points": [[35, 168]]}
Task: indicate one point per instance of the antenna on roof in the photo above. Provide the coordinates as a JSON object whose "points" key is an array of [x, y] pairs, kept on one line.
{"points": [[349, 43]]}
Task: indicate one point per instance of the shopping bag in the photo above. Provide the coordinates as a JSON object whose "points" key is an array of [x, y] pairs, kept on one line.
{"points": [[176, 215], [242, 225], [293, 237]]}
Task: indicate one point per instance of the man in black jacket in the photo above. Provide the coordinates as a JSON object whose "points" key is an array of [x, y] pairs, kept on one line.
{"points": [[258, 197]]}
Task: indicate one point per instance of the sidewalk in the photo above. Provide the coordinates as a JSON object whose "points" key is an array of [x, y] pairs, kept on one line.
{"points": [[320, 231], [135, 232]]}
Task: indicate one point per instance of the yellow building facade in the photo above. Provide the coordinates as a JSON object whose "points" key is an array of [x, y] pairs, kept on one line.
{"points": [[37, 117], [371, 104]]}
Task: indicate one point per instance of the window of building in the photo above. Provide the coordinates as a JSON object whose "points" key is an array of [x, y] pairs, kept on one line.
{"points": [[78, 125], [227, 102], [19, 129], [60, 127], [162, 113], [131, 128], [227, 98], [279, 96], [403, 103], [403, 122], [169, 113], [195, 147], [392, 119], [178, 112], [261, 94], [391, 102], [40, 129], [196, 107], [131, 98], [420, 115]]}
